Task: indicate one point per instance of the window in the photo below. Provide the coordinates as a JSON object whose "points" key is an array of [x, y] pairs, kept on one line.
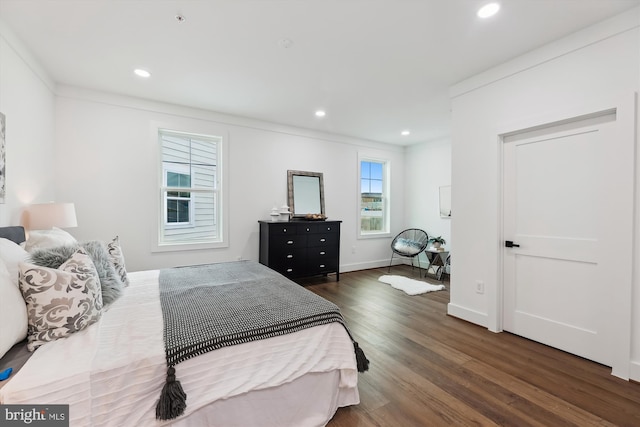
{"points": [[374, 197], [179, 203], [190, 189]]}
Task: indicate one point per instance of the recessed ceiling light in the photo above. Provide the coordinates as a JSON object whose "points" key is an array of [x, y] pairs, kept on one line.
{"points": [[142, 73], [285, 43], [320, 113], [488, 10], [405, 133]]}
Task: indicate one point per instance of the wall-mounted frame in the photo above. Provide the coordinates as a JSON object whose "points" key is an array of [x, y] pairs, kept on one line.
{"points": [[3, 178], [445, 201], [306, 193]]}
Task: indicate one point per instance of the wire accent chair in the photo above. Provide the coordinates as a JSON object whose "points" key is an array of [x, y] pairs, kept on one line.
{"points": [[409, 244]]}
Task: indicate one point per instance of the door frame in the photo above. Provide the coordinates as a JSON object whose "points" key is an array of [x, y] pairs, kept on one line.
{"points": [[619, 331]]}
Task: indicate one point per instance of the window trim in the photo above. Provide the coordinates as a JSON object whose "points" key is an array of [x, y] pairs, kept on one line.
{"points": [[386, 197], [197, 129]]}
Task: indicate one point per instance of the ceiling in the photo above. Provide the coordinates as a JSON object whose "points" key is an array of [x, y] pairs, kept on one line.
{"points": [[376, 67]]}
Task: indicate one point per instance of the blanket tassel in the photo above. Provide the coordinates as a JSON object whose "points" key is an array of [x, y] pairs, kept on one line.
{"points": [[173, 400], [361, 360]]}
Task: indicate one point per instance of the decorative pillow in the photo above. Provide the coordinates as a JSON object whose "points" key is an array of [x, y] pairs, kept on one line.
{"points": [[115, 252], [12, 254], [60, 302], [408, 247], [13, 312], [109, 279], [39, 239]]}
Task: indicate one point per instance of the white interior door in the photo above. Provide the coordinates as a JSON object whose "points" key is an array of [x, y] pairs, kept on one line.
{"points": [[560, 207]]}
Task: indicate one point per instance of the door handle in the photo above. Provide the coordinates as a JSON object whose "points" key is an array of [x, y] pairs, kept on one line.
{"points": [[510, 244]]}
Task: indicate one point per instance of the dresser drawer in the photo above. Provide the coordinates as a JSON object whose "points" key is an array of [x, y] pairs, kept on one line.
{"points": [[322, 239], [328, 228], [322, 268], [320, 252], [283, 229], [321, 260], [307, 228], [289, 241], [290, 263]]}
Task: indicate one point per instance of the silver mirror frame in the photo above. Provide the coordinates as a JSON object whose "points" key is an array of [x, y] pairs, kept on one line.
{"points": [[290, 191]]}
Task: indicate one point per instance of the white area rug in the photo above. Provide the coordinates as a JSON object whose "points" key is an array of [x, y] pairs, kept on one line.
{"points": [[410, 286]]}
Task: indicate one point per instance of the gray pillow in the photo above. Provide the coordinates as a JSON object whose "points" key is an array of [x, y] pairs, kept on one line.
{"points": [[109, 280]]}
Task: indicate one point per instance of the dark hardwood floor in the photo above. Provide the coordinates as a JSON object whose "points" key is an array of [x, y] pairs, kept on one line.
{"points": [[431, 369]]}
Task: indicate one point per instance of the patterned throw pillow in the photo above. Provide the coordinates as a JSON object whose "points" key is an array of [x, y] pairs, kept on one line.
{"points": [[60, 302], [115, 252]]}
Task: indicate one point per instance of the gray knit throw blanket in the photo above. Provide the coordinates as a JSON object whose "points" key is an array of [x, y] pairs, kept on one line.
{"points": [[211, 306]]}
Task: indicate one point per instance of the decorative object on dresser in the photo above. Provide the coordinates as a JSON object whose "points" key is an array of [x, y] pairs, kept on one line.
{"points": [[275, 214], [285, 213], [301, 248]]}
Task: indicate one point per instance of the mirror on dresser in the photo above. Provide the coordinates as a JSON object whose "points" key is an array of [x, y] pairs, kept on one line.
{"points": [[306, 194]]}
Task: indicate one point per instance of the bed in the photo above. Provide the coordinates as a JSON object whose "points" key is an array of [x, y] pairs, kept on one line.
{"points": [[112, 372]]}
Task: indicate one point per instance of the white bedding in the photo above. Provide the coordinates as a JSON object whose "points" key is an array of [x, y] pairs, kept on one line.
{"points": [[111, 373]]}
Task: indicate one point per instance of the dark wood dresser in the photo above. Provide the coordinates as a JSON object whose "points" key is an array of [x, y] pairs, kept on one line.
{"points": [[301, 248]]}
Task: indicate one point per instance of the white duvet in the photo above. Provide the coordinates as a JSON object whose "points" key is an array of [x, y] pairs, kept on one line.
{"points": [[112, 373]]}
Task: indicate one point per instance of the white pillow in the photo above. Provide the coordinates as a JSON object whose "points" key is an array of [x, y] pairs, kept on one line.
{"points": [[13, 312], [41, 239], [12, 254]]}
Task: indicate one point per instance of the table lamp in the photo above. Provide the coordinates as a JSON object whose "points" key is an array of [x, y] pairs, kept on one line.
{"points": [[44, 216]]}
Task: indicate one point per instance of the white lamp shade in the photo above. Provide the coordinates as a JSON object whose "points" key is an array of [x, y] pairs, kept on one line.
{"points": [[45, 216]]}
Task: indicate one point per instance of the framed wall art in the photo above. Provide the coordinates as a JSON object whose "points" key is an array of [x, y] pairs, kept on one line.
{"points": [[3, 150]]}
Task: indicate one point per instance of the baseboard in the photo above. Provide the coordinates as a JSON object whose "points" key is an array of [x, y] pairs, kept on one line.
{"points": [[467, 314], [345, 268], [634, 371]]}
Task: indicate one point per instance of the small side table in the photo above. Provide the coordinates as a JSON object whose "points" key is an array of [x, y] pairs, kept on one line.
{"points": [[436, 262]]}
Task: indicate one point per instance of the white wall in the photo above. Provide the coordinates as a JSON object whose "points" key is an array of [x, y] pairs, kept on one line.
{"points": [[594, 64], [106, 157], [428, 167], [95, 149], [27, 101]]}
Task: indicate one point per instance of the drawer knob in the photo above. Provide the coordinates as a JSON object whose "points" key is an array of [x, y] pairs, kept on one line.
{"points": [[323, 240], [289, 256], [289, 242], [321, 265], [323, 253], [289, 270], [308, 229]]}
